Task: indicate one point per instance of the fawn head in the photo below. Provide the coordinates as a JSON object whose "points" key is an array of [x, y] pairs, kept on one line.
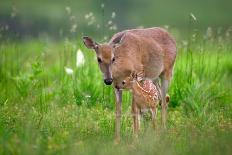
{"points": [[126, 82], [105, 56]]}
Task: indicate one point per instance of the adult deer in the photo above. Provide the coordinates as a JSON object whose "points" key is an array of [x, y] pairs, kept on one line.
{"points": [[151, 50]]}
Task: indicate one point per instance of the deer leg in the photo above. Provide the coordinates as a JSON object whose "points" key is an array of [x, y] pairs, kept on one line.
{"points": [[118, 94], [164, 88], [136, 117]]}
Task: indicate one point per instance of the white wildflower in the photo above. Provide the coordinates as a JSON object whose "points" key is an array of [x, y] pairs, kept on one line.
{"points": [[86, 16], [14, 12], [193, 17], [105, 38], [102, 5], [91, 18], [228, 32], [113, 27], [184, 43], [113, 15], [110, 22], [69, 71], [166, 27], [73, 28], [209, 33], [68, 9], [80, 59], [87, 96], [90, 14]]}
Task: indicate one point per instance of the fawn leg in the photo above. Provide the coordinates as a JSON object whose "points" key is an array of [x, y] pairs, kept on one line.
{"points": [[153, 115], [118, 94]]}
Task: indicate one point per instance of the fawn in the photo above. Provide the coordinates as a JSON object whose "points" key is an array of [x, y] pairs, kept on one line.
{"points": [[145, 96], [151, 49]]}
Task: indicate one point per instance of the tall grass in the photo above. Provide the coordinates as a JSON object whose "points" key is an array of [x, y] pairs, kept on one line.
{"points": [[44, 110]]}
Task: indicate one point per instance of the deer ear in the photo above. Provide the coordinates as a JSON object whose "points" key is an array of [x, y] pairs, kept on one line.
{"points": [[118, 40], [90, 43]]}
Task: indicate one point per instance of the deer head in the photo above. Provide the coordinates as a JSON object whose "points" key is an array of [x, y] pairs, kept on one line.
{"points": [[105, 55]]}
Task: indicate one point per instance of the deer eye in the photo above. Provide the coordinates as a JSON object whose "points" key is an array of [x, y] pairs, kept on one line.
{"points": [[123, 82], [99, 60], [113, 59]]}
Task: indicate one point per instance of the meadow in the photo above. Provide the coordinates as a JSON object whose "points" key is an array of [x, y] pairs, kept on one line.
{"points": [[52, 104]]}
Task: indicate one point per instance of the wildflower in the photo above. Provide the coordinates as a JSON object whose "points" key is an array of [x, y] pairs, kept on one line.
{"points": [[86, 16], [209, 33], [102, 5], [110, 22], [87, 96], [113, 15], [105, 38], [73, 28], [69, 71], [80, 59], [228, 32], [193, 17], [184, 43], [91, 18], [166, 27], [113, 27], [14, 12], [68, 9]]}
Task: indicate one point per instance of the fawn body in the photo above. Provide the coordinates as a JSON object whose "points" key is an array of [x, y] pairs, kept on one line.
{"points": [[145, 96]]}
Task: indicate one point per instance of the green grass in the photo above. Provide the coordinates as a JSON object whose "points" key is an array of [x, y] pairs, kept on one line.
{"points": [[46, 111]]}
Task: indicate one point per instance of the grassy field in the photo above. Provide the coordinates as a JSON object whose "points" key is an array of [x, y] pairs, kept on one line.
{"points": [[45, 110]]}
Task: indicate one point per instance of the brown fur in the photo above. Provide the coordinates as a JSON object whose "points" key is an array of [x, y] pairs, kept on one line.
{"points": [[150, 50], [145, 96]]}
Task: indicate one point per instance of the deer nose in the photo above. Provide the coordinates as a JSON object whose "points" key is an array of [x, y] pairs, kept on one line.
{"points": [[108, 81]]}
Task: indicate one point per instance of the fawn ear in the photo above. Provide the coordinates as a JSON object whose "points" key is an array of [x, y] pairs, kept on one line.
{"points": [[133, 75], [90, 43], [140, 75], [139, 78]]}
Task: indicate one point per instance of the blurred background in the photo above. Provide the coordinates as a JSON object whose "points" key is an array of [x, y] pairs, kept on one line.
{"points": [[25, 19]]}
